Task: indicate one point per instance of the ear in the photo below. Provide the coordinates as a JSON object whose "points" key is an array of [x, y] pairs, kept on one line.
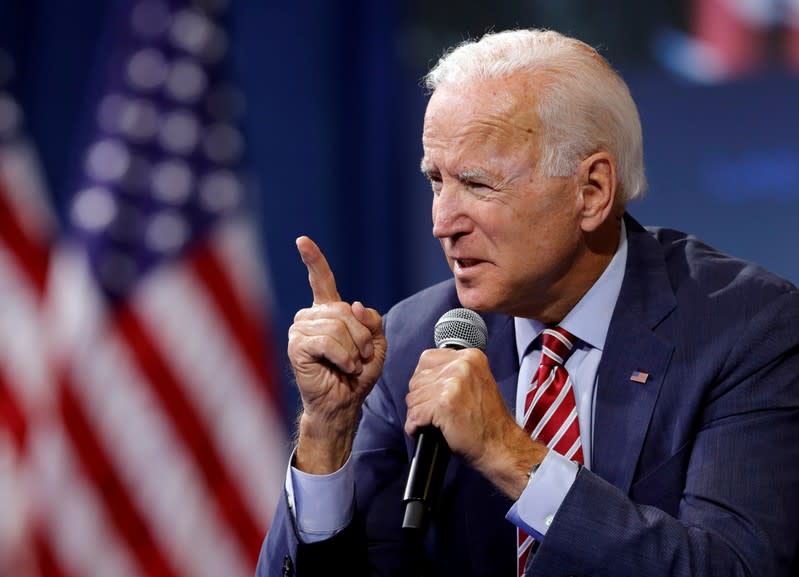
{"points": [[597, 180]]}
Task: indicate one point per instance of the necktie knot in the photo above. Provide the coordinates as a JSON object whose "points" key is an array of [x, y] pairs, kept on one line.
{"points": [[557, 345]]}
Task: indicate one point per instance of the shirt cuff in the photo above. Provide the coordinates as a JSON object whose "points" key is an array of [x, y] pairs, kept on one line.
{"points": [[539, 502], [322, 505]]}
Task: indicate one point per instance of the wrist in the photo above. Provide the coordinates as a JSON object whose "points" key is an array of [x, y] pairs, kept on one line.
{"points": [[513, 465], [322, 446]]}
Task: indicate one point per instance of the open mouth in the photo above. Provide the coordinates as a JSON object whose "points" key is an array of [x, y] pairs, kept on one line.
{"points": [[465, 263]]}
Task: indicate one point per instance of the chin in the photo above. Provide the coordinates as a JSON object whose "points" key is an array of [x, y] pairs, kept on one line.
{"points": [[475, 300]]}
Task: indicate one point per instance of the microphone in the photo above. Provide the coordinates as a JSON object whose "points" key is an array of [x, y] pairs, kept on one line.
{"points": [[456, 329]]}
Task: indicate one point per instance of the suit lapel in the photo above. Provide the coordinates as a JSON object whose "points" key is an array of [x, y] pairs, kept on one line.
{"points": [[501, 352], [633, 353]]}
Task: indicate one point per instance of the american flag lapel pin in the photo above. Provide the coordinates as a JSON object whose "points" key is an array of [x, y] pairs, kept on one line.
{"points": [[639, 377]]}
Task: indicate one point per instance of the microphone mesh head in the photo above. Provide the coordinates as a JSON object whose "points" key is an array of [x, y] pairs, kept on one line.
{"points": [[461, 329]]}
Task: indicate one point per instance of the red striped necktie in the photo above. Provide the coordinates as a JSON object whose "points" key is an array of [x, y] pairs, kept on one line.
{"points": [[550, 412]]}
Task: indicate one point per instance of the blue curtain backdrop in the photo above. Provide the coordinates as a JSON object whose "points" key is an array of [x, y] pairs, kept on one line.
{"points": [[333, 123]]}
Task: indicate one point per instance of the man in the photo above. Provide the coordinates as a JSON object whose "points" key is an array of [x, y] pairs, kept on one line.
{"points": [[672, 445]]}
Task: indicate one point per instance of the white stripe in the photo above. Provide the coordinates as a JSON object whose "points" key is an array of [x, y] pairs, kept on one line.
{"points": [[540, 391], [159, 475], [243, 423], [575, 446], [22, 333], [567, 343], [563, 428], [238, 251], [528, 541], [160, 478], [82, 536], [552, 408], [25, 190], [552, 354]]}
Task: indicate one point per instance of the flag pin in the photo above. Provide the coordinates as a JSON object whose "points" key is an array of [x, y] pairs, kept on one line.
{"points": [[639, 377]]}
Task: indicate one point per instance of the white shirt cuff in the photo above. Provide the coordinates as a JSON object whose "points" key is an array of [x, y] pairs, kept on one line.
{"points": [[539, 502], [322, 505]]}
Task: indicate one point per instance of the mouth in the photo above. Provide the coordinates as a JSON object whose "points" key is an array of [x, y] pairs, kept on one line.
{"points": [[464, 268], [466, 263]]}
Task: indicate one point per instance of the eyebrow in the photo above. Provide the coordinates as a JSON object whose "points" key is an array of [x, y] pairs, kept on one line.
{"points": [[466, 175], [474, 174]]}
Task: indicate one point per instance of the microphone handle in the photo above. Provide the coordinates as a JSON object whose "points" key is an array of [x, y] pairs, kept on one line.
{"points": [[428, 467]]}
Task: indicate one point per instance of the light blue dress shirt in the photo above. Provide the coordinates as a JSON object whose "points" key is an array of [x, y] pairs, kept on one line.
{"points": [[323, 505]]}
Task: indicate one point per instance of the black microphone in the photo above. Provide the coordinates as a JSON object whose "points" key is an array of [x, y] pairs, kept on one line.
{"points": [[456, 329]]}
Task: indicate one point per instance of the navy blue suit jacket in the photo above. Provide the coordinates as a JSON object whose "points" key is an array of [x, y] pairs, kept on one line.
{"points": [[694, 472]]}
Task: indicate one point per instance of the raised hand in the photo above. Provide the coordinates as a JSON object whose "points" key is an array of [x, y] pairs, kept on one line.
{"points": [[337, 352]]}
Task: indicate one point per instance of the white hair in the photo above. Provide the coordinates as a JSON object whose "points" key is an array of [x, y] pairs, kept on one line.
{"points": [[583, 104]]}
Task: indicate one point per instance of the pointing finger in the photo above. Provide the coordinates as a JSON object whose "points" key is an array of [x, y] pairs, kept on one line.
{"points": [[320, 277]]}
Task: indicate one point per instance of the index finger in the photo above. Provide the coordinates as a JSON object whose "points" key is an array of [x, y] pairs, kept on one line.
{"points": [[320, 277]]}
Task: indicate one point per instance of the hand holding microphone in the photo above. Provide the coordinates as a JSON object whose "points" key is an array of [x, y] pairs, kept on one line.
{"points": [[457, 329]]}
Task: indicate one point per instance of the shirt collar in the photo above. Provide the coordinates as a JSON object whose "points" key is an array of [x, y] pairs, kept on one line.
{"points": [[590, 318]]}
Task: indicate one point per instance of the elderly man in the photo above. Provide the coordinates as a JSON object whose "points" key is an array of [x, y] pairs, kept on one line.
{"points": [[636, 410]]}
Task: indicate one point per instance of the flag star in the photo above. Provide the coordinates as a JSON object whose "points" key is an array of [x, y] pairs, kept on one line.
{"points": [[186, 81], [180, 132], [94, 208], [172, 181], [167, 232], [139, 119], [219, 191], [107, 160], [147, 69], [191, 31]]}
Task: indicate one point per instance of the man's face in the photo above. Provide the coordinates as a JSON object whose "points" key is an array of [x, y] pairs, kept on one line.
{"points": [[511, 236]]}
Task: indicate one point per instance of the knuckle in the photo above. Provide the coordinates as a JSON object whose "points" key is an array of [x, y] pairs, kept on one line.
{"points": [[473, 355]]}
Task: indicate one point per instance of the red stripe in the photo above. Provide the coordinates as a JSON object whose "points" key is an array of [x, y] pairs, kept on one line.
{"points": [[121, 510], [32, 257], [569, 437], [12, 416], [191, 429], [557, 418], [246, 327], [544, 401], [521, 560]]}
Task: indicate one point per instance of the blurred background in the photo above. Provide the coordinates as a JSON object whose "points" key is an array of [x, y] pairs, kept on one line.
{"points": [[159, 157]]}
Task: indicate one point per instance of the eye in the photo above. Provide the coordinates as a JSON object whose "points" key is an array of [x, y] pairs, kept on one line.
{"points": [[435, 182], [475, 184]]}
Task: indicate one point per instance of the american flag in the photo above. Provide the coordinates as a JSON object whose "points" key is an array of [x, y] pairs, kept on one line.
{"points": [[26, 229], [158, 447]]}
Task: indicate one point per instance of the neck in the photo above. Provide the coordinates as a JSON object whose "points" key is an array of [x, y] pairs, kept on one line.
{"points": [[594, 257]]}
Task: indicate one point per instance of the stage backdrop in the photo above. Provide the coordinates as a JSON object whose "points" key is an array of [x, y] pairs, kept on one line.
{"points": [[333, 117]]}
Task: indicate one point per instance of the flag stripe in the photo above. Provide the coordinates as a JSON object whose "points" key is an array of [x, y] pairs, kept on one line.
{"points": [[158, 472], [191, 429], [120, 509], [241, 324], [206, 360], [31, 257], [12, 416], [48, 563]]}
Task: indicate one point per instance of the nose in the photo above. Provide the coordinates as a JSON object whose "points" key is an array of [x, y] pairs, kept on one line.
{"points": [[449, 216]]}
